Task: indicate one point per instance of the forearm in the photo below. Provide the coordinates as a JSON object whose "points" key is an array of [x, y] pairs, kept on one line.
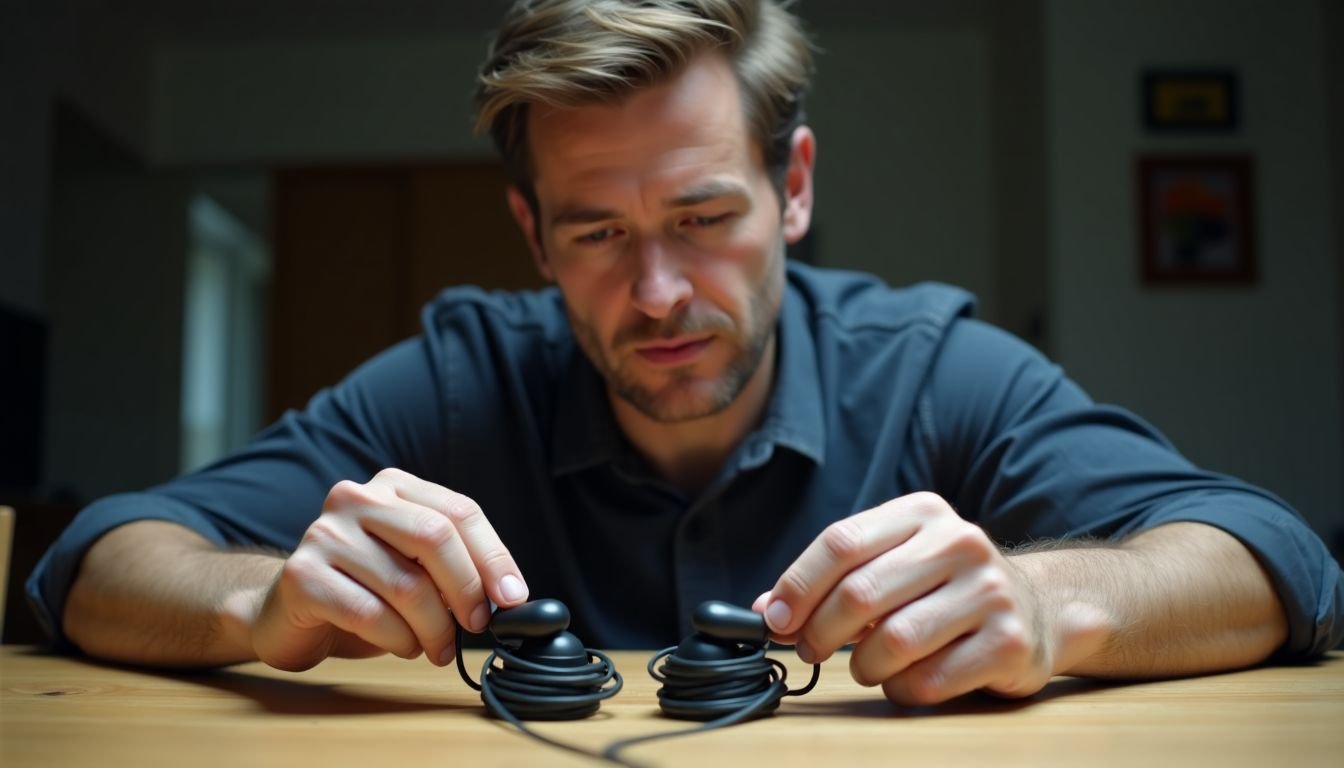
{"points": [[1180, 599], [156, 593]]}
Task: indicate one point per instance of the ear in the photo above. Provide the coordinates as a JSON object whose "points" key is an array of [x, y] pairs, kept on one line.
{"points": [[527, 222], [798, 185]]}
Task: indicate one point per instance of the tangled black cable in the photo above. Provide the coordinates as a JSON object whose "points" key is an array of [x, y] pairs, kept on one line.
{"points": [[721, 691], [703, 690], [520, 689], [719, 674]]}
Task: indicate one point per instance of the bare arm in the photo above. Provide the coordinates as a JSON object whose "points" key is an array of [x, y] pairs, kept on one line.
{"points": [[938, 610], [391, 565], [153, 592], [1180, 599]]}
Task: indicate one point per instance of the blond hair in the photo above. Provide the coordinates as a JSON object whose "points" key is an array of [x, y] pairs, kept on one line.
{"points": [[567, 53]]}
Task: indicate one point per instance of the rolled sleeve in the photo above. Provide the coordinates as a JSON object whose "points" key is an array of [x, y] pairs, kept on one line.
{"points": [[1025, 453]]}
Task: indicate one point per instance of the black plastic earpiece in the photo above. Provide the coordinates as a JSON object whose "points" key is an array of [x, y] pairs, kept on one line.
{"points": [[720, 672], [538, 618], [723, 631], [545, 673], [726, 621], [536, 631]]}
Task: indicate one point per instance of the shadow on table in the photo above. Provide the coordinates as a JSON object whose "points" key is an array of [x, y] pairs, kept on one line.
{"points": [[298, 697], [980, 703], [976, 703], [283, 696]]}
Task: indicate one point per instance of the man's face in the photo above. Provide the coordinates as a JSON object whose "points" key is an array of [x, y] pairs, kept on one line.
{"points": [[658, 222]]}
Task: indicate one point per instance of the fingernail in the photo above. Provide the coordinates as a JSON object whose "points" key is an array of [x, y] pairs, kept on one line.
{"points": [[805, 652], [511, 587], [778, 615], [448, 655], [480, 618]]}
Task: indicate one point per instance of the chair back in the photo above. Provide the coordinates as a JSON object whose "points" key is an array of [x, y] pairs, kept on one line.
{"points": [[6, 539]]}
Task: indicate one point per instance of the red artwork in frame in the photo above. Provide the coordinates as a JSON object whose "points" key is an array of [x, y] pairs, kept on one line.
{"points": [[1196, 219]]}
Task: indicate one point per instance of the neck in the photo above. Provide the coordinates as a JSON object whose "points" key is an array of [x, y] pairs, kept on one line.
{"points": [[690, 453]]}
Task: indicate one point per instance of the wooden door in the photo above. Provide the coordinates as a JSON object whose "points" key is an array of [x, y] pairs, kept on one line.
{"points": [[359, 251]]}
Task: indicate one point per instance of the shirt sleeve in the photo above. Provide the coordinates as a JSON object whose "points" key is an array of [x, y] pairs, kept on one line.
{"points": [[269, 492], [1024, 452]]}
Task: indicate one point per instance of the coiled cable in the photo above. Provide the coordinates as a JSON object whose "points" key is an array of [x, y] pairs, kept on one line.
{"points": [[520, 689], [721, 691]]}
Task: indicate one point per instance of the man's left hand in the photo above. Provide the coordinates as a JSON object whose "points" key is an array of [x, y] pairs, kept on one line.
{"points": [[935, 608]]}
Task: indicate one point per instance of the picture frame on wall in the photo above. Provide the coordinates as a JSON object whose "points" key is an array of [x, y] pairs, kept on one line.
{"points": [[1190, 100], [1196, 219]]}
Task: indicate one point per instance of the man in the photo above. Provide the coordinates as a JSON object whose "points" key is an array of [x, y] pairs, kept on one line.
{"points": [[686, 417]]}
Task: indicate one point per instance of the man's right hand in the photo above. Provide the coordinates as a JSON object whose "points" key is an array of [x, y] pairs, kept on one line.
{"points": [[389, 566]]}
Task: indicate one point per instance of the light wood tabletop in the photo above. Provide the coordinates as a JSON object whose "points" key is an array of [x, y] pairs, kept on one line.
{"points": [[59, 711]]}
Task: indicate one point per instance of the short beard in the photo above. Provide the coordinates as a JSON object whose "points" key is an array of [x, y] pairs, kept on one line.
{"points": [[672, 403]]}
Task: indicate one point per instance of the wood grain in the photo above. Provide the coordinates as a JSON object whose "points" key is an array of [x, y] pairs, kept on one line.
{"points": [[59, 711]]}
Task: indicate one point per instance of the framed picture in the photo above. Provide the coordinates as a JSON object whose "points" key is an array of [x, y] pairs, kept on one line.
{"points": [[1190, 100], [1196, 221]]}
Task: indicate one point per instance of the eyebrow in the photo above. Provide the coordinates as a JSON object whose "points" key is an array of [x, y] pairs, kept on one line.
{"points": [[579, 215], [703, 193], [710, 190]]}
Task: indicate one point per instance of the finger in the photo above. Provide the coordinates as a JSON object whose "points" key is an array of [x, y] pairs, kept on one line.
{"points": [[915, 632], [503, 580], [843, 546], [965, 665], [872, 591], [759, 607], [343, 603], [431, 540], [406, 587]]}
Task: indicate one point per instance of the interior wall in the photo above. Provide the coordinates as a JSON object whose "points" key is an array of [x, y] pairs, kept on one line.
{"points": [[115, 291], [94, 60], [900, 113], [1244, 379], [904, 179], [279, 103], [24, 150], [1332, 30], [1020, 238]]}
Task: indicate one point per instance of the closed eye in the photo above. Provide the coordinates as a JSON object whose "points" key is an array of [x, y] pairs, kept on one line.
{"points": [[707, 221]]}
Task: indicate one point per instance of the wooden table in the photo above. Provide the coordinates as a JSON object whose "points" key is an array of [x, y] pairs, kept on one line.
{"points": [[57, 711]]}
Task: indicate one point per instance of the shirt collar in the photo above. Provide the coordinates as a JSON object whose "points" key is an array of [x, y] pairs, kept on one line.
{"points": [[585, 430]]}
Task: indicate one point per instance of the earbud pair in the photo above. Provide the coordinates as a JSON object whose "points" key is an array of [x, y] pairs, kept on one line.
{"points": [[719, 673]]}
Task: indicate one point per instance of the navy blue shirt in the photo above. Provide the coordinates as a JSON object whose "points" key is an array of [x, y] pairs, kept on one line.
{"points": [[878, 393]]}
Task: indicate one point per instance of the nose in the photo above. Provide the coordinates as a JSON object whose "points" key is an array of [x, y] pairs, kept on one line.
{"points": [[660, 286]]}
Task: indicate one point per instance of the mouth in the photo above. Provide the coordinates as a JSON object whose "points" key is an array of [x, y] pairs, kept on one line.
{"points": [[675, 351]]}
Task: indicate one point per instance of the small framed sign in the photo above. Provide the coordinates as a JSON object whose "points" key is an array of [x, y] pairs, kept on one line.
{"points": [[1196, 222], [1190, 101]]}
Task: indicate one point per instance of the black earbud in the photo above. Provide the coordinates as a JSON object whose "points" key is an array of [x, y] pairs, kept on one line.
{"points": [[729, 622], [720, 672], [723, 631], [536, 631], [543, 672]]}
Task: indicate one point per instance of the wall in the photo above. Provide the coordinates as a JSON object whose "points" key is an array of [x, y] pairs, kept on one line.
{"points": [[1245, 380], [96, 62], [924, 173], [23, 157], [310, 102], [1331, 31], [904, 179], [115, 285]]}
